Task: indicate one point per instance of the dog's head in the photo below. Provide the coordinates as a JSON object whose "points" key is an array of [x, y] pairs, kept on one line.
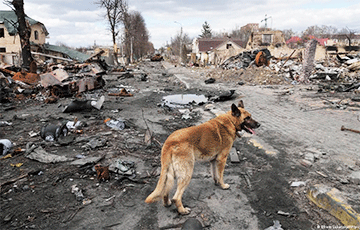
{"points": [[243, 120]]}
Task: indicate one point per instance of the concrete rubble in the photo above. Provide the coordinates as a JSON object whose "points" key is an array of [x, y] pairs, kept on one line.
{"points": [[339, 73], [51, 81]]}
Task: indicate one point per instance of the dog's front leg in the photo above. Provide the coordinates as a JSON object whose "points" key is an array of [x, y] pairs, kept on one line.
{"points": [[220, 167]]}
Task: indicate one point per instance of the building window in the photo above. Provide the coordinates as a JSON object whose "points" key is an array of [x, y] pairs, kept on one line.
{"points": [[2, 50], [2, 33], [228, 46], [36, 35], [267, 38]]}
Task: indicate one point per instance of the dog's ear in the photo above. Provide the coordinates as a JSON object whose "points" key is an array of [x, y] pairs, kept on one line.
{"points": [[235, 111], [241, 104]]}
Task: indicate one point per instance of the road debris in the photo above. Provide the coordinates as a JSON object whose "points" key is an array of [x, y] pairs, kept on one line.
{"points": [[39, 154], [102, 172], [5, 146], [157, 57], [351, 130], [118, 124], [276, 226], [51, 132]]}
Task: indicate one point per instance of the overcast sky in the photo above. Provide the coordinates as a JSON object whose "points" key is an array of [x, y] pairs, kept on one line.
{"points": [[81, 23]]}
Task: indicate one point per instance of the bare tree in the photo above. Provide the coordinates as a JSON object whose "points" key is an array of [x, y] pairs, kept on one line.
{"points": [[136, 35], [242, 33], [24, 30], [175, 45], [115, 13], [288, 33], [349, 34]]}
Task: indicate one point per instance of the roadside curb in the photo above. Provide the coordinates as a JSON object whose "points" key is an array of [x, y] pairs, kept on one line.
{"points": [[331, 200]]}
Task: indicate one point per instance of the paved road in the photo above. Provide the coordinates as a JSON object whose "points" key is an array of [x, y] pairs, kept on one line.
{"points": [[297, 123], [298, 118]]}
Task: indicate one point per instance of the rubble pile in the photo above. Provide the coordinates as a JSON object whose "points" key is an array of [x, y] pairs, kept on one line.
{"points": [[340, 73], [246, 58], [53, 81]]}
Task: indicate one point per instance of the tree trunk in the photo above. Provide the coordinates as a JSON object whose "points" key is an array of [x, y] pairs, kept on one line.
{"points": [[24, 31]]}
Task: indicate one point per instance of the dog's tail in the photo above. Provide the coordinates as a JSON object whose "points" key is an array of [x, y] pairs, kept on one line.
{"points": [[166, 180]]}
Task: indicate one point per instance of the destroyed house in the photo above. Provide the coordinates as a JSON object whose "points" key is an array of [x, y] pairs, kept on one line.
{"points": [[214, 50], [62, 53], [294, 42], [266, 38], [10, 46]]}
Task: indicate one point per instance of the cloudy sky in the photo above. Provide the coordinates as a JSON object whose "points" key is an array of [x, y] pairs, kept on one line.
{"points": [[81, 23]]}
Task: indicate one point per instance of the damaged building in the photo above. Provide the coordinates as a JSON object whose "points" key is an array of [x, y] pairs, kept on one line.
{"points": [[214, 51], [10, 46]]}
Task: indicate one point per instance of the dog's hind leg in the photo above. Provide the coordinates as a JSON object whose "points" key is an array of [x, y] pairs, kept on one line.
{"points": [[183, 172], [213, 170], [168, 186]]}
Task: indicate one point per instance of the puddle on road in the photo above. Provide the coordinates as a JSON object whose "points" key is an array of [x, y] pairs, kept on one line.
{"points": [[183, 100]]}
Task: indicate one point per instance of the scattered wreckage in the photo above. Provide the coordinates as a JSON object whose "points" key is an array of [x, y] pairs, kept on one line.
{"points": [[157, 57], [340, 72], [57, 80]]}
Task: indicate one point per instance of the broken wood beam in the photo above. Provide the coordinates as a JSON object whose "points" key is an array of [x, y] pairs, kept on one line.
{"points": [[351, 130], [287, 59]]}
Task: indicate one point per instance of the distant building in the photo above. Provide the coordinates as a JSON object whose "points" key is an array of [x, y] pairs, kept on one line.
{"points": [[294, 42], [265, 39], [214, 50]]}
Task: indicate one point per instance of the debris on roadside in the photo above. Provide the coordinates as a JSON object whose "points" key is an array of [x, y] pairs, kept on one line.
{"points": [[51, 132], [39, 154], [298, 184], [124, 168], [55, 80], [102, 173], [5, 146], [86, 160], [210, 80], [123, 93], [94, 143], [157, 57], [118, 124], [77, 192], [276, 226], [75, 125], [223, 96], [84, 105], [351, 130], [339, 73], [246, 58]]}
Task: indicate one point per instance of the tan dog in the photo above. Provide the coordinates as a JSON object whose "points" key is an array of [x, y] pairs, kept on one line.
{"points": [[210, 141]]}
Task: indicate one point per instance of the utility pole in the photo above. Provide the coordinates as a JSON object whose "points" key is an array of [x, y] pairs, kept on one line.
{"points": [[131, 50], [265, 19], [181, 31]]}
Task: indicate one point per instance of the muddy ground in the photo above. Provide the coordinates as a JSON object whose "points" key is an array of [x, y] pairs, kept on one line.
{"points": [[39, 195]]}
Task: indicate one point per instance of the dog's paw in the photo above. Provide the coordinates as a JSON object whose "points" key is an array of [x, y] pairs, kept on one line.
{"points": [[167, 203], [225, 186], [184, 211]]}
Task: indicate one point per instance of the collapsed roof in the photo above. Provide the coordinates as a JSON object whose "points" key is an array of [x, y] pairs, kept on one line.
{"points": [[9, 19]]}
